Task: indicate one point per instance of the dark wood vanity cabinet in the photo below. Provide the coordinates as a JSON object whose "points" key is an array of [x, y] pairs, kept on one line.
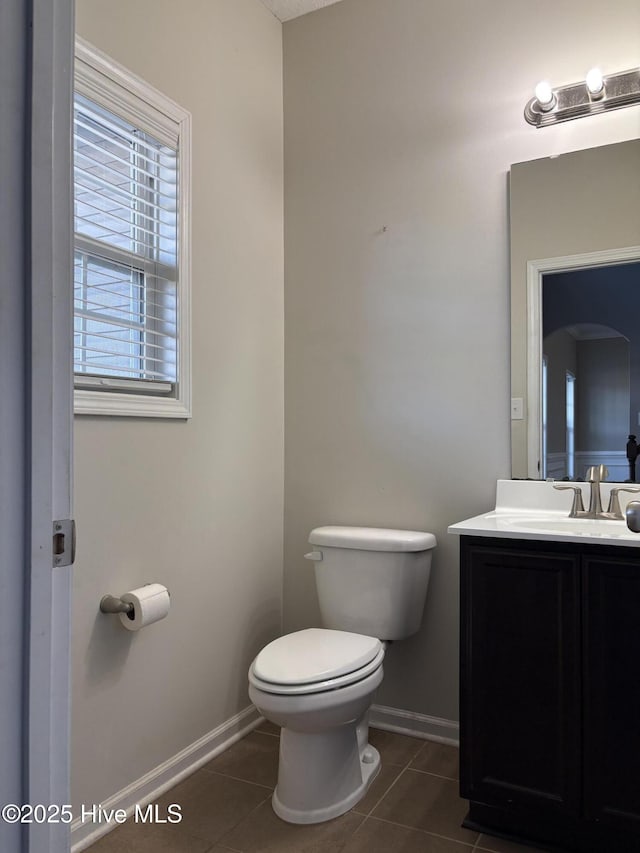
{"points": [[550, 692], [611, 690]]}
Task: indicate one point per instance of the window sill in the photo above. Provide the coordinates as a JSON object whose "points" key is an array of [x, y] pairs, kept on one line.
{"points": [[128, 405]]}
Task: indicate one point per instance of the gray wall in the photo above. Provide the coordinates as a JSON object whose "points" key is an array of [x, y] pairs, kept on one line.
{"points": [[401, 122], [602, 394], [195, 504]]}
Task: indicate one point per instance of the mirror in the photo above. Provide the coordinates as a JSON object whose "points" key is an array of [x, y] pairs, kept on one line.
{"points": [[575, 252]]}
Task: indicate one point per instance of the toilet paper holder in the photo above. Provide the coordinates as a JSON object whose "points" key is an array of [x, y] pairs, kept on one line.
{"points": [[113, 604]]}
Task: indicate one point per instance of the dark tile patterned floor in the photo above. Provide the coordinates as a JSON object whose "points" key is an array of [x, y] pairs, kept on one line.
{"points": [[412, 807]]}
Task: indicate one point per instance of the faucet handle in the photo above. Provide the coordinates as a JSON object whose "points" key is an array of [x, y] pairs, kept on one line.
{"points": [[577, 505], [632, 514], [614, 501]]}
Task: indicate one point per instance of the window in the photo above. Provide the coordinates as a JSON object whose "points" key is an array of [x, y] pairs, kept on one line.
{"points": [[545, 409], [570, 385], [131, 280]]}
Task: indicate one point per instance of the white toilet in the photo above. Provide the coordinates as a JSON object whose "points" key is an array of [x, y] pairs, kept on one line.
{"points": [[318, 684]]}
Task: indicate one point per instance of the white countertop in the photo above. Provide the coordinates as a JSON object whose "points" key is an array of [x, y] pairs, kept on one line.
{"points": [[535, 510]]}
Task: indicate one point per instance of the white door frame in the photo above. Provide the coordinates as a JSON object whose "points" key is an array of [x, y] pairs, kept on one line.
{"points": [[51, 415], [36, 414]]}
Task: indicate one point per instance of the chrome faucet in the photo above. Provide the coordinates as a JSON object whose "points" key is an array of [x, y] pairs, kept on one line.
{"points": [[595, 475]]}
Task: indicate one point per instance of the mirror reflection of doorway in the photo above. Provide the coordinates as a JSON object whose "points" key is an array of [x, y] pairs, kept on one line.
{"points": [[591, 347]]}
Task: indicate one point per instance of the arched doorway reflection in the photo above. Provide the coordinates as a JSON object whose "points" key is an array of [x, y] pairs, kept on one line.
{"points": [[586, 412]]}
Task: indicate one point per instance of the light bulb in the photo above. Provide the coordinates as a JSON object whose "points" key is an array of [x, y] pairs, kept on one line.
{"points": [[595, 83], [545, 97]]}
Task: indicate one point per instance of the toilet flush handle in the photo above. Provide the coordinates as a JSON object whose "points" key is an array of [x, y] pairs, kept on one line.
{"points": [[316, 556]]}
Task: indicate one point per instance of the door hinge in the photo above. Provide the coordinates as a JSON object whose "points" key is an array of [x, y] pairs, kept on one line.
{"points": [[64, 542]]}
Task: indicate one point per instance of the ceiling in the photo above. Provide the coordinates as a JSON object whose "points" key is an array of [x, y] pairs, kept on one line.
{"points": [[285, 10], [592, 332]]}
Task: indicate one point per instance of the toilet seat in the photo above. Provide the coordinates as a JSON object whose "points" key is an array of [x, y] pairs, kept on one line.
{"points": [[315, 660], [318, 686]]}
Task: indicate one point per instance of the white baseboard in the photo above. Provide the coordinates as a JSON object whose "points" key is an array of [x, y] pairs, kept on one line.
{"points": [[150, 786], [414, 724]]}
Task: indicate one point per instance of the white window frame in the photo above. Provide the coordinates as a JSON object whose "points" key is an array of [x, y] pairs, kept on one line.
{"points": [[570, 411], [544, 412], [117, 89]]}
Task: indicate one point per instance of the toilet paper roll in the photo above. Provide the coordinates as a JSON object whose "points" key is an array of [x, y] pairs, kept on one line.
{"points": [[150, 604]]}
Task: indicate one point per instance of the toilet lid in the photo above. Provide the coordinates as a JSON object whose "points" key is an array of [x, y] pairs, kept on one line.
{"points": [[314, 655]]}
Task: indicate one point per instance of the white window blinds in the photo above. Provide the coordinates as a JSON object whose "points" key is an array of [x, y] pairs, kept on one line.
{"points": [[126, 255]]}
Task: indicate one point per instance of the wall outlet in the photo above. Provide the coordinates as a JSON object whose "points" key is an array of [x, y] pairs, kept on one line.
{"points": [[517, 409]]}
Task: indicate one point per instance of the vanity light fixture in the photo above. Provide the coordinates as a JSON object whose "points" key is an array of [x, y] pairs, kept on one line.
{"points": [[596, 94]]}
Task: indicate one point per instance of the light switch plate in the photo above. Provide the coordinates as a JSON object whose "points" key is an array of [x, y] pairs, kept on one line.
{"points": [[517, 408]]}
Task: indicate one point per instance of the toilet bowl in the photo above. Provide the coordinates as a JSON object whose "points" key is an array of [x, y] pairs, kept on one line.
{"points": [[318, 684]]}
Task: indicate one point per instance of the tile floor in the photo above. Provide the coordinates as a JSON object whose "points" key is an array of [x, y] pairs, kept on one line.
{"points": [[412, 807]]}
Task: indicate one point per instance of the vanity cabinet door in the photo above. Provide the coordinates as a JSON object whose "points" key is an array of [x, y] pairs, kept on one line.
{"points": [[520, 677], [612, 691]]}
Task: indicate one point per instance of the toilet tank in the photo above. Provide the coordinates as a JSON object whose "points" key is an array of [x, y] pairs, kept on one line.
{"points": [[372, 580]]}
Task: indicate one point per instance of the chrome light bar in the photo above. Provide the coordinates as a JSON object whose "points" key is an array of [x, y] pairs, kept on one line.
{"points": [[596, 94]]}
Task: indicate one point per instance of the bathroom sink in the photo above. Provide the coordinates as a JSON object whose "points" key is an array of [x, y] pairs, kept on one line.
{"points": [[575, 526], [535, 510]]}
